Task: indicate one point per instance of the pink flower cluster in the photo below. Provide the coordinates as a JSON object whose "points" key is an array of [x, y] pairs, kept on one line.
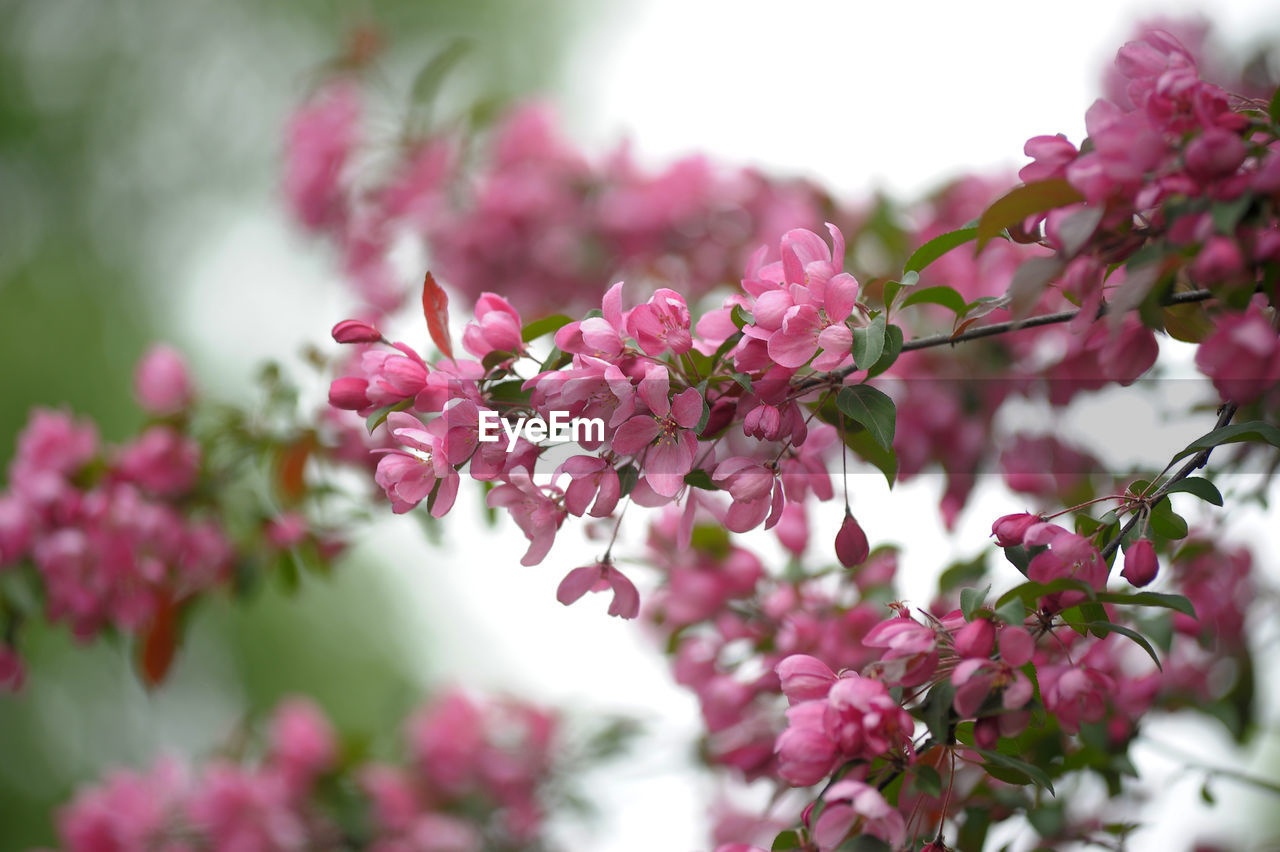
{"points": [[535, 214], [476, 780]]}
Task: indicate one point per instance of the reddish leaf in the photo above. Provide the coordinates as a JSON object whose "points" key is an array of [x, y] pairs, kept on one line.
{"points": [[292, 463], [435, 307], [159, 642]]}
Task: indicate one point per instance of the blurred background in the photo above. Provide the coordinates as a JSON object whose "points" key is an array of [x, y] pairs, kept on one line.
{"points": [[139, 200]]}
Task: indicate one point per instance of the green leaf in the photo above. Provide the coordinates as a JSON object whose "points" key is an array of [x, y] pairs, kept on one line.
{"points": [[1226, 215], [948, 297], [1010, 209], [377, 418], [741, 318], [1034, 773], [1199, 486], [867, 449], [708, 538], [959, 574], [745, 381], [938, 246], [873, 409], [1102, 628], [628, 476], [433, 74], [1159, 599], [700, 479], [706, 409], [546, 325], [868, 343], [1274, 108], [1254, 430], [1031, 591], [1167, 523], [789, 839], [1013, 612], [926, 780], [893, 341], [971, 600]]}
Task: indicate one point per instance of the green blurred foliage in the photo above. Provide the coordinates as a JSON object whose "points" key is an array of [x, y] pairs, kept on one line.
{"points": [[127, 128]]}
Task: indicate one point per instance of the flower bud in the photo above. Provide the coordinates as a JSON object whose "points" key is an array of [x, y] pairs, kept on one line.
{"points": [[1140, 563], [976, 639], [354, 331], [986, 733], [1010, 529], [804, 678], [851, 543], [160, 381], [349, 393], [763, 422], [1215, 153]]}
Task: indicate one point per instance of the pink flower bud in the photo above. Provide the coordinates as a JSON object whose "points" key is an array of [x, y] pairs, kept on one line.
{"points": [[976, 639], [1215, 153], [1010, 529], [804, 678], [1140, 563], [354, 331], [986, 732], [851, 543], [763, 422], [349, 393], [160, 381], [1219, 261]]}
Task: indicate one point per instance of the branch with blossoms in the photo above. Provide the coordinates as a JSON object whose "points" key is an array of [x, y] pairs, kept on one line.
{"points": [[919, 726]]}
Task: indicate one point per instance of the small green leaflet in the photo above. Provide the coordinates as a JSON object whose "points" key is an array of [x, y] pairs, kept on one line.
{"points": [[1274, 108], [868, 343], [871, 408], [1034, 773], [1255, 430], [1102, 628], [971, 600], [546, 325], [1160, 599], [947, 297], [1010, 209], [377, 418], [1199, 486], [893, 341], [938, 246]]}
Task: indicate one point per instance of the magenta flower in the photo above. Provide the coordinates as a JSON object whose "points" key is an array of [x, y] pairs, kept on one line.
{"points": [[355, 331], [854, 804], [393, 376], [661, 324], [756, 493], [664, 435], [1242, 356], [591, 479], [321, 137], [496, 328], [303, 744], [806, 755], [863, 720], [600, 577], [804, 678], [409, 475], [977, 677], [1075, 694], [598, 337], [161, 461], [161, 382], [1009, 529], [537, 514], [911, 651]]}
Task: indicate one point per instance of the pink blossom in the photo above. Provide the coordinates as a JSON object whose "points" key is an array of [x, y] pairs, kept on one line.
{"points": [[854, 804], [52, 442], [321, 137], [410, 475], [863, 720], [350, 393], [911, 651], [496, 328], [804, 678], [977, 677], [600, 577], [393, 376], [664, 435], [1242, 355], [598, 337], [1074, 694], [302, 742], [806, 755], [975, 639], [536, 513], [591, 479], [160, 461], [755, 489], [1214, 154], [661, 324], [161, 382]]}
